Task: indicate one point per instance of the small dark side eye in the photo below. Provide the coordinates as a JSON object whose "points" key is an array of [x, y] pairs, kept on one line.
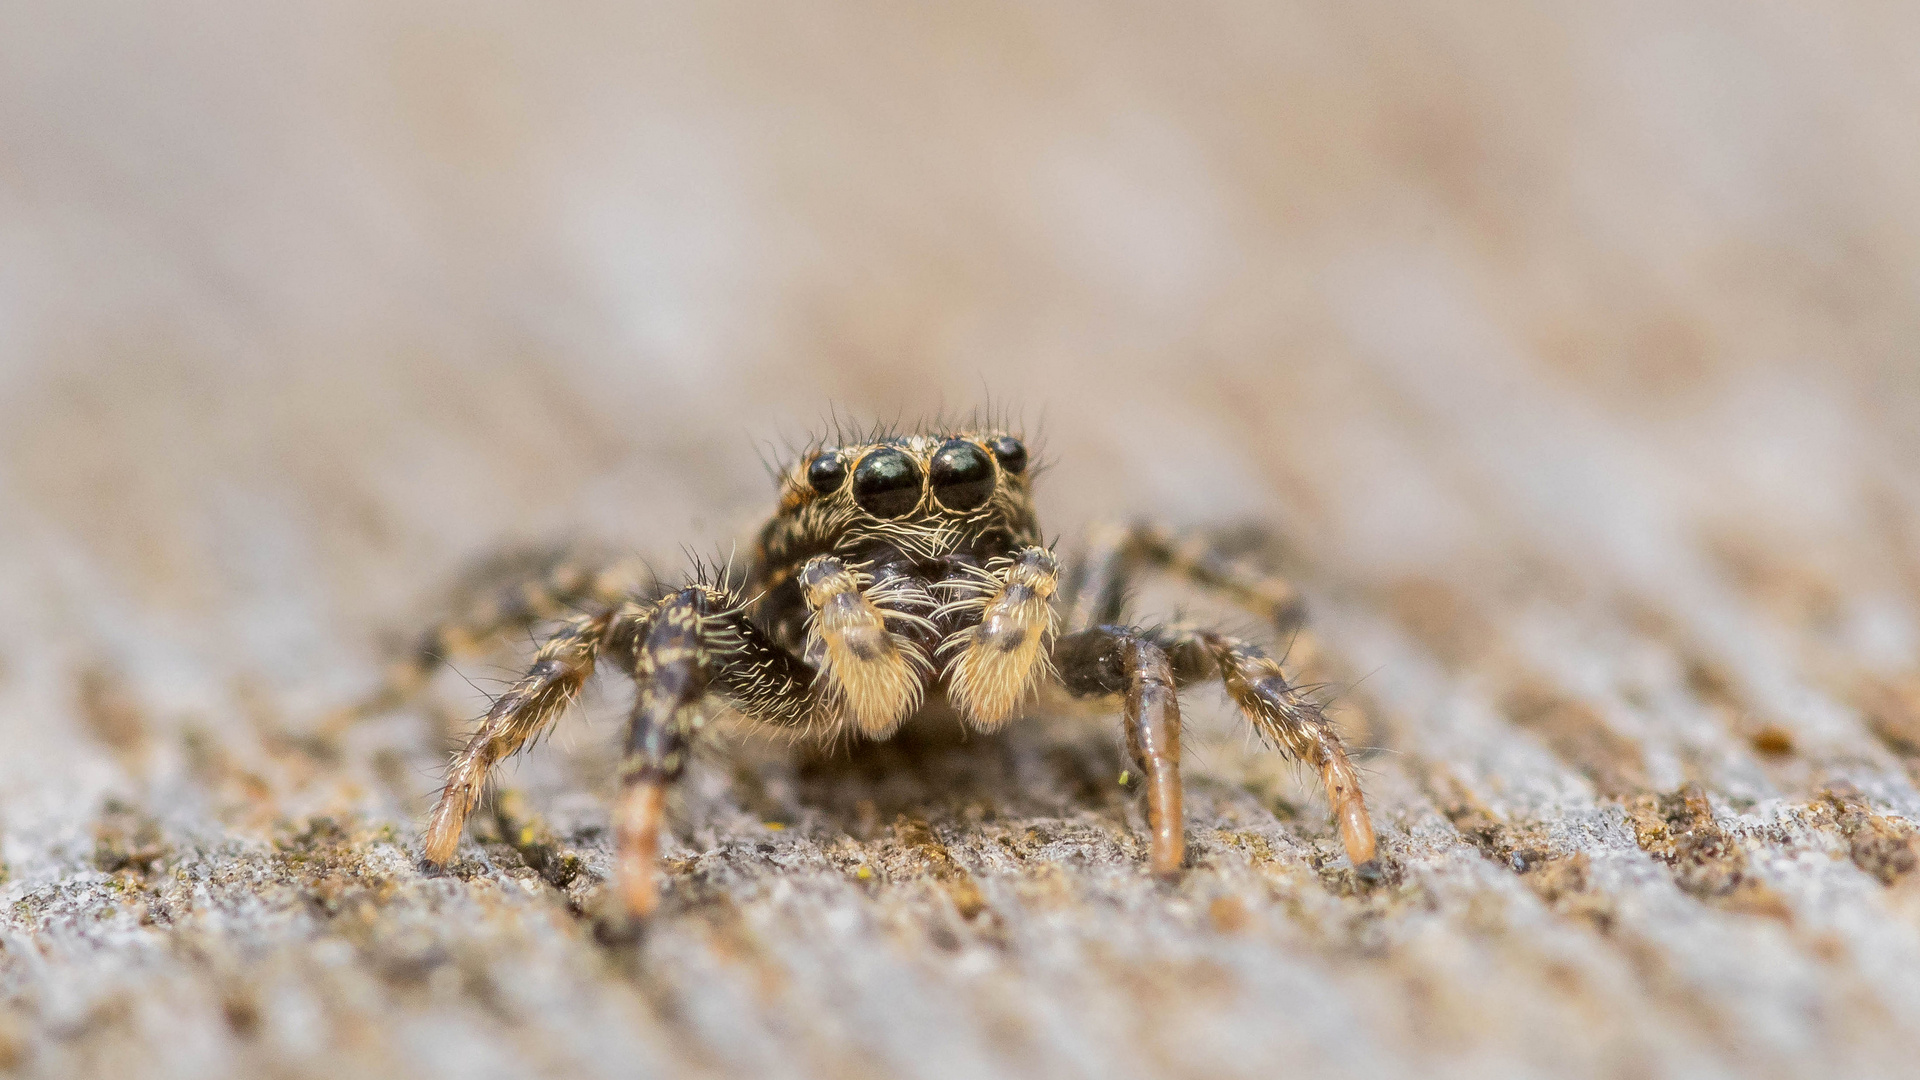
{"points": [[827, 473], [1011, 452], [886, 483], [962, 475]]}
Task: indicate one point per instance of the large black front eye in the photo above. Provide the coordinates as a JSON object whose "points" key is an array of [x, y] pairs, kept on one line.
{"points": [[827, 473], [962, 475], [1011, 452], [886, 483]]}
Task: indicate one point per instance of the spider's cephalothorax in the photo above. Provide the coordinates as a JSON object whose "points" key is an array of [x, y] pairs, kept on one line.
{"points": [[895, 568], [905, 562]]}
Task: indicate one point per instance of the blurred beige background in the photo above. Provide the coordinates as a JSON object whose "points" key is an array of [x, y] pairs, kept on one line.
{"points": [[1575, 348]]}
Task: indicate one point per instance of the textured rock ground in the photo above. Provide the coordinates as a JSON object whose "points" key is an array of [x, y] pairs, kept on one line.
{"points": [[1570, 349]]}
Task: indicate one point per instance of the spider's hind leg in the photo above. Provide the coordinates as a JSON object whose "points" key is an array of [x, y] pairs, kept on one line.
{"points": [[497, 598], [1114, 554]]}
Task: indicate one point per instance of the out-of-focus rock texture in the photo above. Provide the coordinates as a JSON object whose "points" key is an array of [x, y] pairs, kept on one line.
{"points": [[1574, 349]]}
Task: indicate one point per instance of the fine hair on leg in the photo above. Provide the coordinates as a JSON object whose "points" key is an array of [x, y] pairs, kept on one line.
{"points": [[1285, 719], [534, 702]]}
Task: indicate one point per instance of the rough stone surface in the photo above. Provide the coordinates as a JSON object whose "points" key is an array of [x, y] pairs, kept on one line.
{"points": [[1569, 349]]}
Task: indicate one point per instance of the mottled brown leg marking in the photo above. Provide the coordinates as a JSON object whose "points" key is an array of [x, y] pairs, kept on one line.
{"points": [[1253, 679], [677, 662]]}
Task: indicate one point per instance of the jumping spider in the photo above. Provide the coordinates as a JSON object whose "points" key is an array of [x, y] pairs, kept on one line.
{"points": [[896, 566]]}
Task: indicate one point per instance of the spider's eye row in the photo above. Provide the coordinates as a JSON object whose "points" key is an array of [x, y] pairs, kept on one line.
{"points": [[962, 475], [827, 473], [886, 483], [1011, 452]]}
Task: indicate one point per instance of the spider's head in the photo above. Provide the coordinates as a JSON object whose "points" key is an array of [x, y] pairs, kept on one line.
{"points": [[941, 485]]}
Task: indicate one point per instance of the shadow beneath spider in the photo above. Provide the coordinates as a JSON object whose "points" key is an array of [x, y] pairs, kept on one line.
{"points": [[935, 768]]}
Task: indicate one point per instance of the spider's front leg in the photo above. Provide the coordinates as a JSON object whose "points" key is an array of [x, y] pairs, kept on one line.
{"points": [[1284, 717], [693, 641], [1107, 660], [1254, 680], [696, 640]]}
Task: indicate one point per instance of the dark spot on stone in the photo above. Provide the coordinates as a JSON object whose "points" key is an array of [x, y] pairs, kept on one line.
{"points": [[1708, 864], [1773, 741], [241, 1013]]}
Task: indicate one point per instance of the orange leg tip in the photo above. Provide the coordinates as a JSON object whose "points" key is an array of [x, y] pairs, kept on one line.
{"points": [[1168, 856], [1167, 819], [637, 837], [439, 848], [1356, 831], [443, 832], [638, 895]]}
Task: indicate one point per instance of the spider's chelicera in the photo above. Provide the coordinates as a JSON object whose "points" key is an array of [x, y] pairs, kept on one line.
{"points": [[897, 567]]}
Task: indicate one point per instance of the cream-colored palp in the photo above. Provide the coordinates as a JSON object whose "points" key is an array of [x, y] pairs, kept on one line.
{"points": [[998, 662], [873, 677]]}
